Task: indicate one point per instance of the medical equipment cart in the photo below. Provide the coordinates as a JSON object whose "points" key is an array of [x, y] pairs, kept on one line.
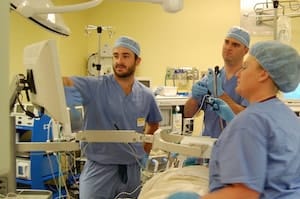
{"points": [[35, 169]]}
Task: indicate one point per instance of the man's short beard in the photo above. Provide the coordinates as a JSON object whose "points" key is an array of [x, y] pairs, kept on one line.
{"points": [[129, 73]]}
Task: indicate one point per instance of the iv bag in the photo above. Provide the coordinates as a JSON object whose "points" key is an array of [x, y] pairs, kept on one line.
{"points": [[284, 30]]}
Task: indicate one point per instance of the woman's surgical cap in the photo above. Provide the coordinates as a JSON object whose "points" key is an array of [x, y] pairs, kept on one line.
{"points": [[281, 61]]}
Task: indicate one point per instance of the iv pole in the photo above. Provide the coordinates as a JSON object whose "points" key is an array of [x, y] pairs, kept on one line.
{"points": [[275, 6], [99, 30]]}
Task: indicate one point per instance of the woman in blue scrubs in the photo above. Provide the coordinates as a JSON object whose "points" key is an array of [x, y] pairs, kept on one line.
{"points": [[258, 153]]}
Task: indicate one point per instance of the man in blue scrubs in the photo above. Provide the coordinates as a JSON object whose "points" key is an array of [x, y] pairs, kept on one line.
{"points": [[115, 102], [257, 155], [235, 47]]}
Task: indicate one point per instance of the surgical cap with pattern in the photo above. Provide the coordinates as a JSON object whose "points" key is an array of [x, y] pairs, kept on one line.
{"points": [[128, 42], [281, 61], [239, 34]]}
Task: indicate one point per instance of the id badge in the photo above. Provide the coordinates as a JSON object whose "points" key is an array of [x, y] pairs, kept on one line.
{"points": [[140, 122]]}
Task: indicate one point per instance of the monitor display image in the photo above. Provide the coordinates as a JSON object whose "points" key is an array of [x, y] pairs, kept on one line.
{"points": [[41, 61], [145, 80], [292, 96]]}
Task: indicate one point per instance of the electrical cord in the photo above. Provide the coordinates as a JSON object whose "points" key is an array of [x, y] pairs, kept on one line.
{"points": [[127, 193], [203, 101], [29, 113], [134, 154], [48, 130], [60, 173], [71, 166], [52, 170]]}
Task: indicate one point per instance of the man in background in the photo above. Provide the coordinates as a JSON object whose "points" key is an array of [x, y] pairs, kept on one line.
{"points": [[115, 102], [235, 47]]}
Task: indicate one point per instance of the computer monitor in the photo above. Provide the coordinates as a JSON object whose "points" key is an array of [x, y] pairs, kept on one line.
{"points": [[293, 96], [145, 80], [292, 99], [42, 64]]}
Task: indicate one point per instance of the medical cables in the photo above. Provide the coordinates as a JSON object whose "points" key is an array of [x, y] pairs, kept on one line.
{"points": [[128, 193], [134, 154], [205, 100]]}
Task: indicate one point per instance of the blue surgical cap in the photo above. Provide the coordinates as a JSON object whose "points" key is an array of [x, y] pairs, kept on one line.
{"points": [[281, 61], [129, 43], [239, 34]]}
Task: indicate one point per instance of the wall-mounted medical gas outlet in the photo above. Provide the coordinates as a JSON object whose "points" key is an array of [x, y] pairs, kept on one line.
{"points": [[106, 51]]}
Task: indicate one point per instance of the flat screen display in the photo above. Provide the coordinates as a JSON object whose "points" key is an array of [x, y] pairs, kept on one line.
{"points": [[294, 95]]}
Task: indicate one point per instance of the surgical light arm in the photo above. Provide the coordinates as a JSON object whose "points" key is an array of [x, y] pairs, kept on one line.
{"points": [[100, 136], [198, 147], [184, 145], [30, 8], [168, 5]]}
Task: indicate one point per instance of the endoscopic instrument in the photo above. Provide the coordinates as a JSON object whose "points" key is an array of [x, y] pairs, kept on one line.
{"points": [[215, 89], [207, 99]]}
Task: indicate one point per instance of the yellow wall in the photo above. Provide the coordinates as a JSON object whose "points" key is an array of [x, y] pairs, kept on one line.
{"points": [[191, 37]]}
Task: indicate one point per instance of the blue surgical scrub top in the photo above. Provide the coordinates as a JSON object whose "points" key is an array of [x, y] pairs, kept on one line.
{"points": [[107, 107], [260, 148]]}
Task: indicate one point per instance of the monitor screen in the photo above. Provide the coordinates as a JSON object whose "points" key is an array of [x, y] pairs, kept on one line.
{"points": [[293, 96], [145, 80], [41, 59], [292, 99]]}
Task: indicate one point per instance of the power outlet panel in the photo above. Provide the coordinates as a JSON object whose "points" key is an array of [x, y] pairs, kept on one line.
{"points": [[106, 51]]}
